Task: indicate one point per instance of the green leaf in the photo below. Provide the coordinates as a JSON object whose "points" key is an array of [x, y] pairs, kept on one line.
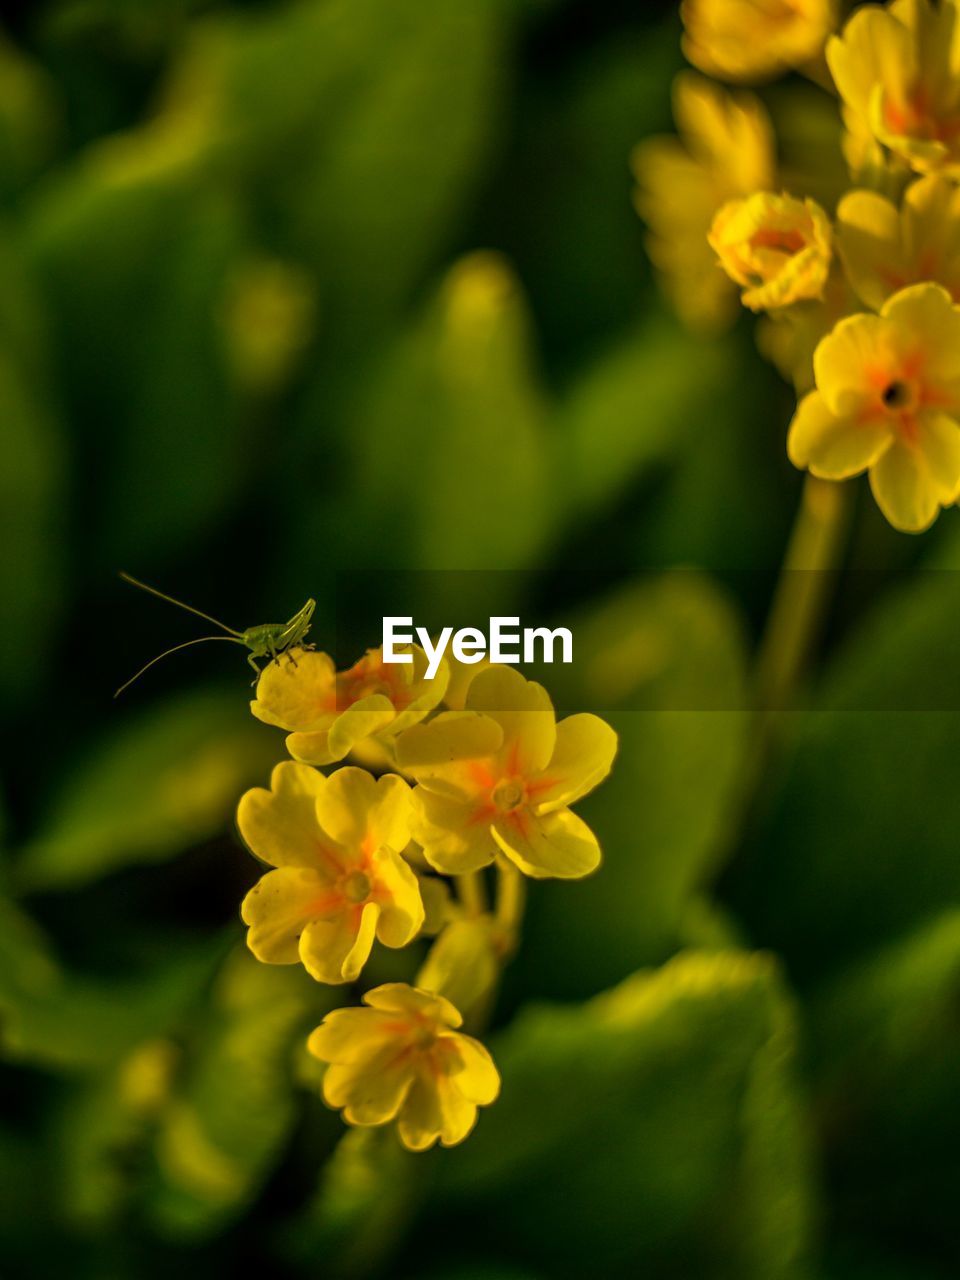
{"points": [[562, 199], [26, 1215], [662, 1114], [112, 232], [859, 1260], [359, 126], [456, 396], [885, 1041], [664, 662], [31, 482], [869, 809], [635, 407], [69, 1022], [361, 1208], [228, 1117], [153, 788], [101, 1130], [29, 118]]}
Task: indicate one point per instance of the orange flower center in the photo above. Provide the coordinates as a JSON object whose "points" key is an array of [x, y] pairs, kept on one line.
{"points": [[356, 886], [899, 396], [508, 795], [370, 676], [778, 239], [917, 117]]}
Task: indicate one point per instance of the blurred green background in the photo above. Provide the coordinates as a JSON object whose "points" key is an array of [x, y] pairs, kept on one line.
{"points": [[297, 297]]}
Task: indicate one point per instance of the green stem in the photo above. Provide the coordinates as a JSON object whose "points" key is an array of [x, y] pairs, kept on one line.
{"points": [[472, 892], [802, 594], [511, 900], [793, 627]]}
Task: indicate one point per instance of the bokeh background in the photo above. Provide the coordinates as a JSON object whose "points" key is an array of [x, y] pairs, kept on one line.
{"points": [[326, 297]]}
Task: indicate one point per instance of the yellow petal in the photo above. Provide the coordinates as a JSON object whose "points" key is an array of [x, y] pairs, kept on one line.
{"points": [[557, 845], [420, 1120], [868, 238], [301, 696], [586, 746], [729, 134], [349, 1035], [453, 840], [874, 50], [461, 677], [401, 915], [424, 694], [753, 40], [335, 950], [905, 492], [834, 448], [311, 748], [477, 1078], [842, 360], [458, 1114], [363, 813], [280, 825], [279, 908], [524, 712], [927, 321], [938, 441], [439, 753], [931, 232], [363, 719], [399, 997], [359, 953], [370, 1094]]}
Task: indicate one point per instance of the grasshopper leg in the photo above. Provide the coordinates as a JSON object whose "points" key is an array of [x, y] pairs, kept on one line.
{"points": [[253, 663]]}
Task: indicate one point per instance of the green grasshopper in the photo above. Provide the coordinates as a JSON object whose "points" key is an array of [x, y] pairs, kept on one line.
{"points": [[269, 640]]}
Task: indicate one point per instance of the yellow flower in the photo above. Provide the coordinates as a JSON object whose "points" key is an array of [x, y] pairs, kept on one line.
{"points": [[339, 880], [755, 39], [895, 69], [499, 776], [462, 675], [403, 1059], [725, 150], [789, 336], [888, 402], [331, 714], [778, 248], [885, 249]]}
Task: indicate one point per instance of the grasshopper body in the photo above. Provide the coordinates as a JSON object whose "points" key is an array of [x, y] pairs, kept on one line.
{"points": [[268, 640]]}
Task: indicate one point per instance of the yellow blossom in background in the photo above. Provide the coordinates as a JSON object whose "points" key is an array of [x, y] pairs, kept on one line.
{"points": [[339, 880], [267, 317], [329, 714], [887, 401], [789, 336], [725, 151], [884, 248], [402, 1058], [895, 68], [755, 39], [499, 776], [777, 248]]}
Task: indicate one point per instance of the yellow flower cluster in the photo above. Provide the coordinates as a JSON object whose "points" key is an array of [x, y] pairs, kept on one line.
{"points": [[473, 770], [859, 302]]}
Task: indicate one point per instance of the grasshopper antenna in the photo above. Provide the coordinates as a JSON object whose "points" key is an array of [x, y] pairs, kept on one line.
{"points": [[161, 595], [166, 653]]}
